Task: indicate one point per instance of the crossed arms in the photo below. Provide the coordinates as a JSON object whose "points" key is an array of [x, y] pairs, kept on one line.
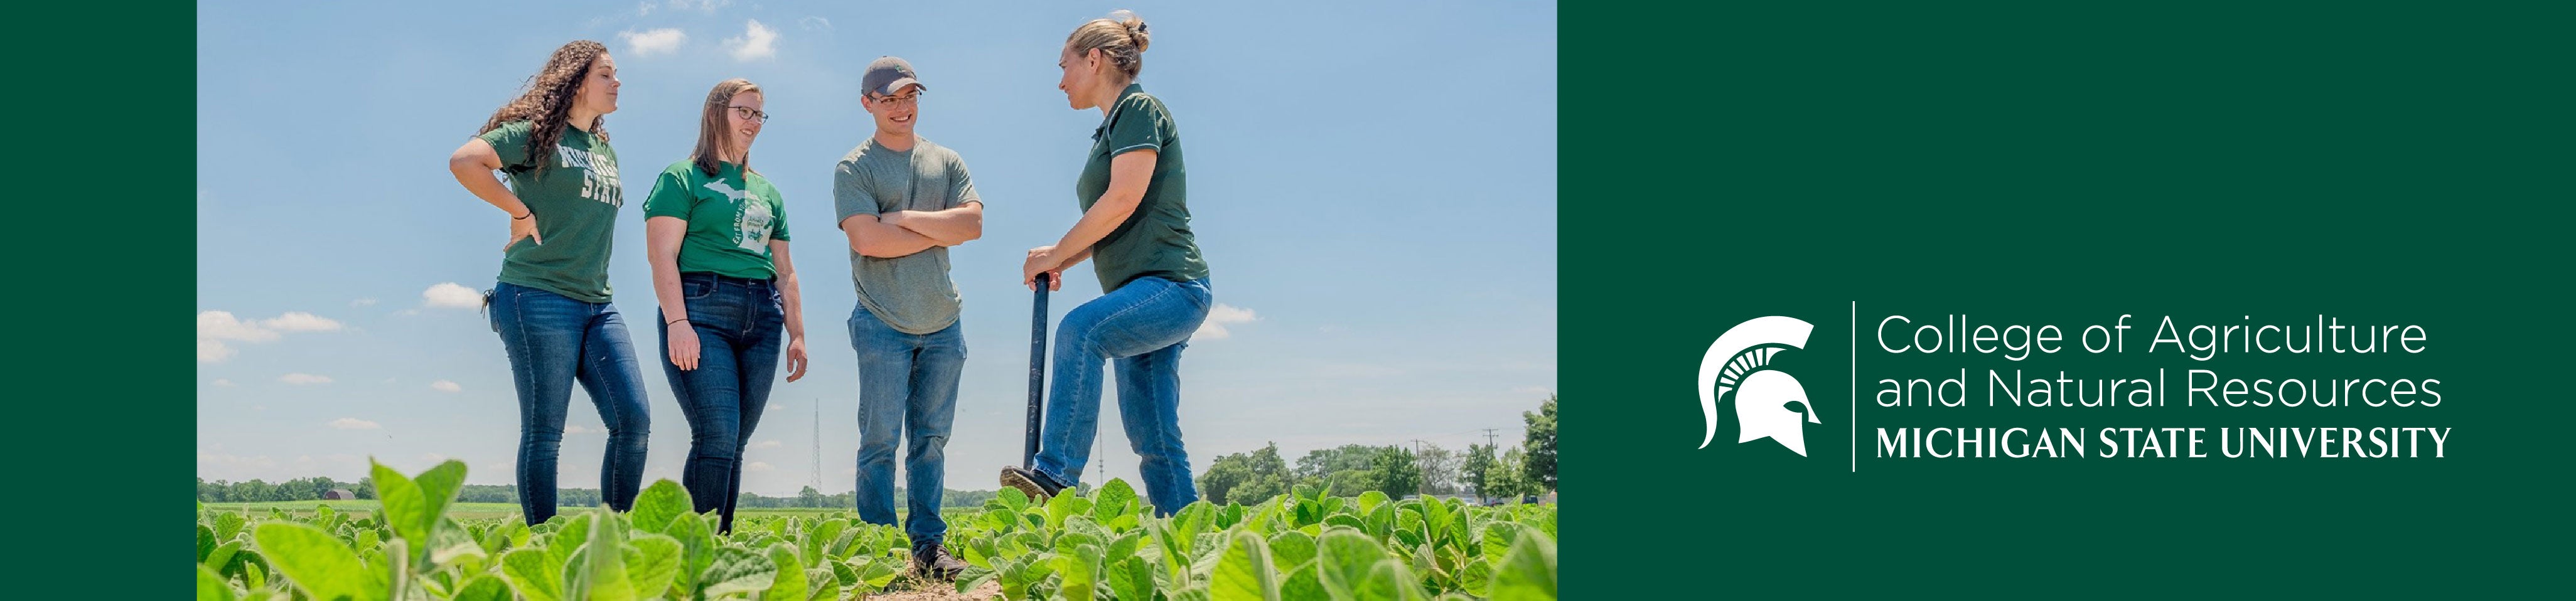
{"points": [[902, 233]]}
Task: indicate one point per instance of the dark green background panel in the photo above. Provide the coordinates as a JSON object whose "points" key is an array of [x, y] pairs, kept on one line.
{"points": [[2065, 164]]}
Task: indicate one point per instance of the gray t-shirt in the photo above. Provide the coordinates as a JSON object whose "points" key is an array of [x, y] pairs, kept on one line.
{"points": [[912, 293]]}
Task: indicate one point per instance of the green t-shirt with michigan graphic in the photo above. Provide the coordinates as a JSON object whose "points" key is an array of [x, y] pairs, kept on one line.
{"points": [[732, 217], [575, 204]]}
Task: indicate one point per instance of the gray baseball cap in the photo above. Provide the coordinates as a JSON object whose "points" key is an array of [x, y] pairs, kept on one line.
{"points": [[888, 75]]}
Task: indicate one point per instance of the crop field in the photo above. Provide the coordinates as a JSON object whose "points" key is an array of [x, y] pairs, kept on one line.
{"points": [[415, 544], [488, 511]]}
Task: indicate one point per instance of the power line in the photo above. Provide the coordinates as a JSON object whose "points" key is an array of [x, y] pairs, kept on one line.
{"points": [[818, 445]]}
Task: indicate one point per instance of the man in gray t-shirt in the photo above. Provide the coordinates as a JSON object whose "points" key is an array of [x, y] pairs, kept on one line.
{"points": [[903, 201]]}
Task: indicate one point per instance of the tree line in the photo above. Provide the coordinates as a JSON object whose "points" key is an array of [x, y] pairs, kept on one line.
{"points": [[1529, 469]]}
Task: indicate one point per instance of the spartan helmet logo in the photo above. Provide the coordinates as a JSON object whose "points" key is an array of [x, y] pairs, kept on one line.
{"points": [[1739, 362]]}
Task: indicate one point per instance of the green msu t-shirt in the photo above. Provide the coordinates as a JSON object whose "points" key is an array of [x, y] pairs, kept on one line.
{"points": [[732, 217], [1156, 239], [575, 204]]}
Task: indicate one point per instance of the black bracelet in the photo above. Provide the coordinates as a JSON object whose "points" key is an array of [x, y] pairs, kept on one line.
{"points": [[530, 214], [668, 323]]}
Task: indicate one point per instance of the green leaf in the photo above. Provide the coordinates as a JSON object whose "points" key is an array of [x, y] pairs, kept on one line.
{"points": [[228, 524], [1130, 578], [819, 585], [1391, 580], [597, 572], [1300, 585], [211, 587], [1063, 506], [875, 572], [1528, 572], [1014, 499], [1291, 549], [789, 585], [534, 573], [1343, 560], [1370, 500], [222, 555], [697, 549], [205, 542], [1080, 566], [1124, 546], [568, 539], [1498, 540], [483, 588], [1245, 573], [974, 577], [1112, 500], [736, 570], [316, 562], [658, 505], [652, 563]]}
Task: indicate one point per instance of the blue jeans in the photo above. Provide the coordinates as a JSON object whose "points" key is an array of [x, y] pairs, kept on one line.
{"points": [[740, 324], [1143, 326], [553, 342], [908, 394]]}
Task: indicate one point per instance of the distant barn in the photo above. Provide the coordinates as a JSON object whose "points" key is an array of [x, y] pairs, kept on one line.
{"points": [[339, 494]]}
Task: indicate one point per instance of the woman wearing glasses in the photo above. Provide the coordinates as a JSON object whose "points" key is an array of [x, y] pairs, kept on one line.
{"points": [[1135, 227], [716, 234], [551, 304]]}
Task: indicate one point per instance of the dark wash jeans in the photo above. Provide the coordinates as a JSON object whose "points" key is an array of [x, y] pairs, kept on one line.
{"points": [[555, 341], [1142, 326], [907, 395], [740, 325]]}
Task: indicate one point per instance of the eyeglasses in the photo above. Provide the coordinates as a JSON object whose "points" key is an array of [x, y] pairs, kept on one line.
{"points": [[744, 112], [904, 100]]}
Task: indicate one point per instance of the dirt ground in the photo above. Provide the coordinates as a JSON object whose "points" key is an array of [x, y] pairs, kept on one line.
{"points": [[941, 591]]}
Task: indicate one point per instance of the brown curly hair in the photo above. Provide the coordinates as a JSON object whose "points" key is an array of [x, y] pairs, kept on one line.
{"points": [[546, 100]]}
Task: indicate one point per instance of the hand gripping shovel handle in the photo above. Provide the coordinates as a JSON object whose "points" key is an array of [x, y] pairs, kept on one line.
{"points": [[1037, 372]]}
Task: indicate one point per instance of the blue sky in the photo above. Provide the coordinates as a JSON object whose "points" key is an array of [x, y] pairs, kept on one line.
{"points": [[1373, 187]]}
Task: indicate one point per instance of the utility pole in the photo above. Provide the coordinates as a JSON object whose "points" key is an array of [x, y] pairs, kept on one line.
{"points": [[1417, 446], [1489, 438], [818, 445]]}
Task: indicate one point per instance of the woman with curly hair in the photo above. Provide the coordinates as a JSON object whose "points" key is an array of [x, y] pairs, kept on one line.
{"points": [[551, 305], [1135, 229]]}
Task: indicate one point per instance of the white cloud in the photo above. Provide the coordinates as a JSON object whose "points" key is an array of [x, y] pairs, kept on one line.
{"points": [[815, 24], [364, 302], [301, 379], [213, 351], [223, 382], [705, 6], [767, 444], [1534, 390], [259, 407], [299, 321], [446, 386], [451, 295], [650, 42], [759, 466], [216, 327], [578, 429], [221, 325], [1218, 317], [757, 42], [351, 423]]}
